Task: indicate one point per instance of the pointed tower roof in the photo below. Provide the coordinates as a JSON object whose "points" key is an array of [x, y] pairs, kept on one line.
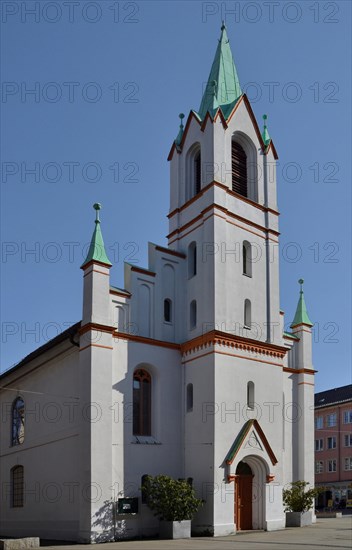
{"points": [[301, 315], [265, 134], [96, 250], [223, 87]]}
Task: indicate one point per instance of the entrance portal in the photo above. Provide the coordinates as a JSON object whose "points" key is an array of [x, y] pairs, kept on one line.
{"points": [[243, 497]]}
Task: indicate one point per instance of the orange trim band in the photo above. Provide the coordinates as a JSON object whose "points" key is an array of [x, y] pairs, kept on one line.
{"points": [[300, 371], [96, 327], [144, 271], [93, 262], [172, 252], [144, 340], [117, 293], [96, 346], [238, 342]]}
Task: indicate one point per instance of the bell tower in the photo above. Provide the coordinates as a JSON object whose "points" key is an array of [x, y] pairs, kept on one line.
{"points": [[223, 211]]}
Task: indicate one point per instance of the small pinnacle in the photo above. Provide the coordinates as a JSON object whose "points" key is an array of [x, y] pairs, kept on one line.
{"points": [[301, 281], [181, 117]]}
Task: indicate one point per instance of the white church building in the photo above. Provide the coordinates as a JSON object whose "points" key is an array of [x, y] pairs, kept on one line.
{"points": [[186, 371]]}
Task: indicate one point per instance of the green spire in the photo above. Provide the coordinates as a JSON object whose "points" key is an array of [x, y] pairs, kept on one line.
{"points": [[301, 316], [223, 88], [180, 133], [265, 134], [96, 250]]}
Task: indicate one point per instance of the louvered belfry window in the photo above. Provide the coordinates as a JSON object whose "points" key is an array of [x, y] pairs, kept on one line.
{"points": [[239, 170]]}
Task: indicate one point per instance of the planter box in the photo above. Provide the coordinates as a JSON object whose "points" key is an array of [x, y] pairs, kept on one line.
{"points": [[175, 529], [299, 519]]}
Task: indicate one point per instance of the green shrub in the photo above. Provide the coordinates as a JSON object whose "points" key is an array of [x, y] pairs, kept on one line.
{"points": [[298, 499], [170, 499]]}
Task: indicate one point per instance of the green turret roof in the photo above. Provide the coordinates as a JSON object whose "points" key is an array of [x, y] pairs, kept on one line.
{"points": [[223, 87], [265, 134], [181, 130], [96, 250], [301, 316]]}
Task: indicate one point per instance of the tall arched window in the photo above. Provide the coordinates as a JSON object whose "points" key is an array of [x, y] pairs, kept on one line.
{"points": [[193, 171], [17, 487], [192, 259], [250, 395], [197, 172], [247, 314], [17, 435], [168, 310], [239, 170], [142, 393], [193, 314], [247, 258], [189, 397]]}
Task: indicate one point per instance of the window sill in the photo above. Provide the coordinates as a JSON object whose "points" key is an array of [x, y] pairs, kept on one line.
{"points": [[246, 328], [145, 440], [247, 275]]}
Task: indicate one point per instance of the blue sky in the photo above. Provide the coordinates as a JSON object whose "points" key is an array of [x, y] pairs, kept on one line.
{"points": [[108, 81]]}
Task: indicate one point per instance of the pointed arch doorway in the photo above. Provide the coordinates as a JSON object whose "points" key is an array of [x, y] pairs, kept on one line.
{"points": [[243, 497]]}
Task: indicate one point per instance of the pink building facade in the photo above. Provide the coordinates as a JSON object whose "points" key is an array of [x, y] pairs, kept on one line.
{"points": [[333, 447]]}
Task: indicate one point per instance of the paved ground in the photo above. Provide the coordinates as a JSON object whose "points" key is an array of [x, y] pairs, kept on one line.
{"points": [[326, 534]]}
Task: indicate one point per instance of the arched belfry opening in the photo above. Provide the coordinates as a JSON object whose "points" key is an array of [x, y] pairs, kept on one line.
{"points": [[239, 170], [193, 171], [244, 166]]}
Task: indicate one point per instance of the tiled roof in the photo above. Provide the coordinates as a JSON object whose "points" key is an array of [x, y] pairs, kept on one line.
{"points": [[67, 334], [336, 395]]}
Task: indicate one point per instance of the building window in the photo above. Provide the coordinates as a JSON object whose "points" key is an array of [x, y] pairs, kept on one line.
{"points": [[332, 465], [247, 314], [197, 172], [17, 436], [348, 440], [250, 395], [17, 487], [167, 310], [319, 444], [142, 393], [348, 463], [239, 170], [189, 397], [319, 467], [347, 417], [319, 422], [331, 420], [192, 259], [247, 258], [331, 442], [193, 314]]}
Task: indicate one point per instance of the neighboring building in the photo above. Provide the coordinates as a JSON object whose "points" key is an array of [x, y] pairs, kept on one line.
{"points": [[187, 371], [333, 446]]}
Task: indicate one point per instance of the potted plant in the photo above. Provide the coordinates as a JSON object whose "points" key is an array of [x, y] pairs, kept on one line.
{"points": [[174, 502], [298, 501]]}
